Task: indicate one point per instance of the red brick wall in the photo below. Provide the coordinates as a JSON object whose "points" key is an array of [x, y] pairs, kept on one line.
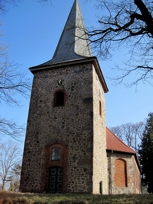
{"points": [[120, 176]]}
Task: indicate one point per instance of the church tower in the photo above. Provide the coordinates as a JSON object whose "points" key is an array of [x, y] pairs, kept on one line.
{"points": [[65, 145]]}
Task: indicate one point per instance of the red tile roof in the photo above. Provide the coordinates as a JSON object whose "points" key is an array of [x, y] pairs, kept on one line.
{"points": [[114, 143]]}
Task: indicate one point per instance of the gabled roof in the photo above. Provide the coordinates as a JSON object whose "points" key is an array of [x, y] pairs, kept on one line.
{"points": [[115, 144], [73, 43]]}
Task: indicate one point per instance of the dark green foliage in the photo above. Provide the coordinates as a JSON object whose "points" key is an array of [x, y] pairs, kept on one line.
{"points": [[146, 154]]}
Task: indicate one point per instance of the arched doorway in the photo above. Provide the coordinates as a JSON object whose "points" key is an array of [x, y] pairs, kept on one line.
{"points": [[54, 174], [55, 184]]}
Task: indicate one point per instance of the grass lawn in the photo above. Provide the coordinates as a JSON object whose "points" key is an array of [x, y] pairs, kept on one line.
{"points": [[31, 198]]}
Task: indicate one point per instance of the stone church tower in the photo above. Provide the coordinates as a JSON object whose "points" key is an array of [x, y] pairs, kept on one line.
{"points": [[65, 145]]}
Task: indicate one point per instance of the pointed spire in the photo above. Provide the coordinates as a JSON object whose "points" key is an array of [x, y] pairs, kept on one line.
{"points": [[73, 43]]}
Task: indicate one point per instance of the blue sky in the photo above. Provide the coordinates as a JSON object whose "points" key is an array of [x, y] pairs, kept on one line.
{"points": [[31, 31]]}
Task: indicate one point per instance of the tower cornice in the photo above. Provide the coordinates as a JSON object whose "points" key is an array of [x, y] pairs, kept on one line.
{"points": [[92, 60]]}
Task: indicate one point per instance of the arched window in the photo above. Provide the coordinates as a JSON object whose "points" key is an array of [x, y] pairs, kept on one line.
{"points": [[56, 154], [100, 108], [59, 98], [120, 176]]}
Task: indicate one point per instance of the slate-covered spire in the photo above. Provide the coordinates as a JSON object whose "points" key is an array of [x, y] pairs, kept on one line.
{"points": [[73, 43]]}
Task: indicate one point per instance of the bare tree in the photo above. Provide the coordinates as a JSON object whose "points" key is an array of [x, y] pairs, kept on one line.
{"points": [[126, 23], [9, 157], [130, 133], [15, 178], [12, 83]]}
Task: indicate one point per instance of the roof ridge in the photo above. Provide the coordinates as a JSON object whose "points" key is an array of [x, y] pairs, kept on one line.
{"points": [[121, 140]]}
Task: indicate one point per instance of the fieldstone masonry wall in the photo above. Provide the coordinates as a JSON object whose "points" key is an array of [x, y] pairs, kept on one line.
{"points": [[137, 178], [99, 142], [71, 124]]}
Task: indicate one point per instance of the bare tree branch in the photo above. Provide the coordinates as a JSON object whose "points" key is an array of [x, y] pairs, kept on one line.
{"points": [[128, 23], [13, 83], [10, 128], [130, 133]]}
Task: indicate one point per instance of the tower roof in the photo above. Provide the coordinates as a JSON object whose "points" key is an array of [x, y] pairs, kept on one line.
{"points": [[73, 46], [73, 43]]}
